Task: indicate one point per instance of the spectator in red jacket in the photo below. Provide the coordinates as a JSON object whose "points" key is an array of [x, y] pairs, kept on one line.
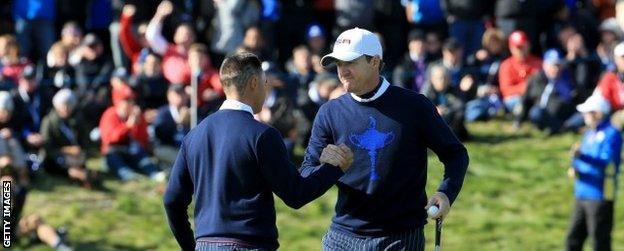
{"points": [[611, 85], [125, 138], [175, 55], [210, 91], [516, 70], [133, 45]]}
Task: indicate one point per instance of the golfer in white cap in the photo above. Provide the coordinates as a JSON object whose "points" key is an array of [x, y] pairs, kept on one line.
{"points": [[381, 200], [595, 168]]}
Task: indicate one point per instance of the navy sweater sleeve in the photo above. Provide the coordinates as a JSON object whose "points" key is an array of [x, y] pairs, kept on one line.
{"points": [[319, 139], [439, 138], [177, 199], [283, 177]]}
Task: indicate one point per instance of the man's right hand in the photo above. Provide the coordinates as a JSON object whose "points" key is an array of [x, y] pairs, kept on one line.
{"points": [[340, 156], [164, 8], [128, 10]]}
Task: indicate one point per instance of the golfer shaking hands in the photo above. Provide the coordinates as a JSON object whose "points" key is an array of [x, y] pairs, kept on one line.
{"points": [[381, 199], [232, 164]]}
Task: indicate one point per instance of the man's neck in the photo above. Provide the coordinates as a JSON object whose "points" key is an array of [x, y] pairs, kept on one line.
{"points": [[370, 92]]}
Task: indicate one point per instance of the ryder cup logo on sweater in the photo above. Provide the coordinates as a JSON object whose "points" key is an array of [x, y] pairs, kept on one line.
{"points": [[372, 140]]}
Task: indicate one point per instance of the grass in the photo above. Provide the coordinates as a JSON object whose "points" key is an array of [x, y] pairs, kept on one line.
{"points": [[516, 197]]}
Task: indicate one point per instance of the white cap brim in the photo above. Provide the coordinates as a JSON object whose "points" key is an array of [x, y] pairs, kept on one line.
{"points": [[342, 56], [583, 108], [593, 107]]}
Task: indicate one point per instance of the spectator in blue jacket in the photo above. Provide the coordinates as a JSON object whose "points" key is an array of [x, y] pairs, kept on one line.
{"points": [[34, 26], [171, 125], [595, 166]]}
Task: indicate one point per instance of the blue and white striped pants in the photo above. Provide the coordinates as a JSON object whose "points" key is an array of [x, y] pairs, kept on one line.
{"points": [[216, 246], [413, 240]]}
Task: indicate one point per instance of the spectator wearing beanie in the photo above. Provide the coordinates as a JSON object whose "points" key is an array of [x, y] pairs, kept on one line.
{"points": [[516, 70], [125, 138]]}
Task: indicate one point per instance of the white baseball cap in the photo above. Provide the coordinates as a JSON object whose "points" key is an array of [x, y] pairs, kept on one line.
{"points": [[595, 103], [352, 44]]}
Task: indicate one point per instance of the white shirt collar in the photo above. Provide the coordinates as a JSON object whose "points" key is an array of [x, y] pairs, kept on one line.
{"points": [[384, 87], [174, 113], [231, 104]]}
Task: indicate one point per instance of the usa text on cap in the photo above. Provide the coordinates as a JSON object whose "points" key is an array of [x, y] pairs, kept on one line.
{"points": [[352, 44]]}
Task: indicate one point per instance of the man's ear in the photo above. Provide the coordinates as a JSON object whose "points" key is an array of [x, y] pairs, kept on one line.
{"points": [[253, 82], [379, 64]]}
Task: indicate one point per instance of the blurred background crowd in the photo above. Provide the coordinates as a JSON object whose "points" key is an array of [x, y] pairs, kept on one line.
{"points": [[114, 78]]}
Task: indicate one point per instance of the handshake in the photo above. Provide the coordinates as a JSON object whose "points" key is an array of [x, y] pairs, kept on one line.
{"points": [[340, 156]]}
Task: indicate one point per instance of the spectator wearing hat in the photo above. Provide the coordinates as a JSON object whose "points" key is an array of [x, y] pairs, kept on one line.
{"points": [[32, 103], [65, 138], [316, 39], [93, 72], [611, 85], [548, 100], [172, 123], [610, 34], [125, 138], [515, 71], [595, 167], [461, 76], [411, 73]]}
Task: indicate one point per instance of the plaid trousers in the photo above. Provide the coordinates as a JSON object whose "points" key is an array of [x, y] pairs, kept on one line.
{"points": [[413, 240]]}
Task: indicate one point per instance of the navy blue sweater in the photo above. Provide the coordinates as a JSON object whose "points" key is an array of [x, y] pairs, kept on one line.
{"points": [[231, 164], [384, 190]]}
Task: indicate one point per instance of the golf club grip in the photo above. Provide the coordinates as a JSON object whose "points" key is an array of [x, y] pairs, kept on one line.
{"points": [[438, 234]]}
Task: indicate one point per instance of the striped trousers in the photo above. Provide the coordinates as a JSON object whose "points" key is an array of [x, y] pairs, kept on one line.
{"points": [[413, 240], [224, 246]]}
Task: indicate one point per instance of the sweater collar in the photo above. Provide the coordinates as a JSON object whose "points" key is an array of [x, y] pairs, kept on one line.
{"points": [[231, 104], [384, 87]]}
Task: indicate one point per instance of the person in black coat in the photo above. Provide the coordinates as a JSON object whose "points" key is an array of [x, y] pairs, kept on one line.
{"points": [[32, 103], [171, 125], [548, 98], [411, 72], [446, 100]]}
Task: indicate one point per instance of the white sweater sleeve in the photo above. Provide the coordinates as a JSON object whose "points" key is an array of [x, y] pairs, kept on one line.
{"points": [[155, 39]]}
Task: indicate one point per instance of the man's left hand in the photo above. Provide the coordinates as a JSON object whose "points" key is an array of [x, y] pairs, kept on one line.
{"points": [[442, 201]]}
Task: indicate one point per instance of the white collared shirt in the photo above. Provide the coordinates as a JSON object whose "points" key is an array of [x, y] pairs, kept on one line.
{"points": [[384, 87], [231, 104]]}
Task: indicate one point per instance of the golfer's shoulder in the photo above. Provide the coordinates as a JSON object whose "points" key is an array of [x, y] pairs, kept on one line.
{"points": [[336, 103], [406, 98]]}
